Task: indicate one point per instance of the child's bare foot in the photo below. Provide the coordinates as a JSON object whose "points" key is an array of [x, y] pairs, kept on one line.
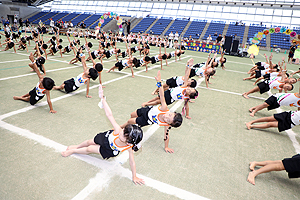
{"points": [[251, 178], [252, 114], [71, 147], [248, 125], [244, 79], [154, 93], [251, 109], [66, 153], [16, 98], [245, 95], [252, 165]]}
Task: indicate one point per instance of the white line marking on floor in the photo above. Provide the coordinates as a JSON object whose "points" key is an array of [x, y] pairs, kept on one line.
{"points": [[9, 61]]}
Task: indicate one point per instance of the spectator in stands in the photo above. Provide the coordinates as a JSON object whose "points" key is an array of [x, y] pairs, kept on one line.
{"points": [[27, 23], [21, 22], [51, 23], [128, 26], [216, 33], [40, 23], [70, 24], [219, 38], [66, 24], [222, 41], [208, 39], [190, 38], [171, 36], [16, 22], [83, 25]]}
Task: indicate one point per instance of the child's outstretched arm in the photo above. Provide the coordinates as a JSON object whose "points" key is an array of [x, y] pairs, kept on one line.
{"points": [[161, 92], [49, 102], [108, 111], [189, 65]]}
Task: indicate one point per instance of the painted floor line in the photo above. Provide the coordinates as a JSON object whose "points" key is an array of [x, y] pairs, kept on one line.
{"points": [[9, 61], [228, 92]]}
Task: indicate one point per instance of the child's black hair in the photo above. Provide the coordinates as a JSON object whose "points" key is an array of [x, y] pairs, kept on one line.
{"points": [[99, 67], [119, 51], [48, 83], [59, 47], [164, 57], [194, 95], [212, 73], [225, 60], [169, 56], [292, 86], [78, 42], [23, 40], [133, 135], [177, 120], [90, 45], [134, 61], [183, 52], [93, 73], [60, 40], [41, 60], [178, 54], [35, 34], [53, 38], [193, 83], [45, 46]]}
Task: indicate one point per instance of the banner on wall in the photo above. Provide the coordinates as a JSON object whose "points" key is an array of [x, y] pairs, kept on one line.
{"points": [[203, 46]]}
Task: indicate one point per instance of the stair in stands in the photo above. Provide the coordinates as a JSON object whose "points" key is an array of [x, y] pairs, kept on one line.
{"points": [[166, 29], [204, 31], [151, 25], [185, 29]]}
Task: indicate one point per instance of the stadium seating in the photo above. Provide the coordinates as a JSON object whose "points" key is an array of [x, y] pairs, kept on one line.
{"points": [[280, 40], [253, 30], [236, 29], [45, 17], [70, 17], [55, 18], [142, 26], [92, 19], [79, 19], [160, 26], [212, 29], [195, 29], [178, 25], [36, 16]]}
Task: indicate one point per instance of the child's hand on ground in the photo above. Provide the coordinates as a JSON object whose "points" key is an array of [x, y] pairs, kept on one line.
{"points": [[137, 180], [88, 96], [169, 150], [52, 111]]}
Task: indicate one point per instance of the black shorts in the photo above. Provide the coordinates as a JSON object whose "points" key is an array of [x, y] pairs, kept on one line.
{"points": [[142, 119], [105, 150], [192, 73], [284, 121], [257, 73], [70, 85], [292, 166], [272, 102], [153, 61], [124, 54], [183, 48], [108, 55], [291, 55], [119, 65], [171, 82], [34, 98], [93, 55], [53, 49], [263, 87], [67, 49], [169, 100]]}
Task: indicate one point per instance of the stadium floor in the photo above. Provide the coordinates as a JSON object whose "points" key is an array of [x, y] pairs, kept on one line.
{"points": [[212, 150]]}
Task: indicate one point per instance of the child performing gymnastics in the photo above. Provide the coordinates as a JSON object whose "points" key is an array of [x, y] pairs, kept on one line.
{"points": [[83, 78], [178, 93], [283, 121], [111, 143], [157, 115], [290, 165], [43, 87]]}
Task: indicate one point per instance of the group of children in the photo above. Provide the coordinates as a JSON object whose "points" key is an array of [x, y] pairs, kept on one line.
{"points": [[155, 111], [274, 76]]}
